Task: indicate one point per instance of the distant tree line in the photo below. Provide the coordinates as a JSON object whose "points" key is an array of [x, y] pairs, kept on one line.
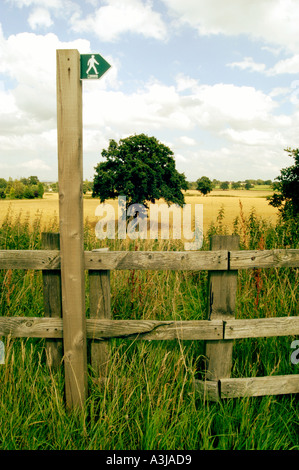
{"points": [[205, 185], [23, 188], [53, 187]]}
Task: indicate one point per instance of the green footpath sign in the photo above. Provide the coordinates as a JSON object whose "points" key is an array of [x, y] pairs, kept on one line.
{"points": [[93, 66]]}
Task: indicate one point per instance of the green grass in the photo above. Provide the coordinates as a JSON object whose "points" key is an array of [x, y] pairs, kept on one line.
{"points": [[148, 400]]}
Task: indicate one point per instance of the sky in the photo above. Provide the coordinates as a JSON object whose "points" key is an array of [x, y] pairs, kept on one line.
{"points": [[216, 81]]}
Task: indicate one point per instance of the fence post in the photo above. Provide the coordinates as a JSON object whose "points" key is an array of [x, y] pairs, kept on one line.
{"points": [[70, 181], [100, 308], [52, 300], [222, 300]]}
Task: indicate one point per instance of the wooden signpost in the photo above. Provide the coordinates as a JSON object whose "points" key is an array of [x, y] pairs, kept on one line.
{"points": [[70, 180]]}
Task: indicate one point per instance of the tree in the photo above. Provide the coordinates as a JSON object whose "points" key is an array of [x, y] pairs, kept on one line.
{"points": [[19, 189], [236, 185], [204, 185], [87, 186], [224, 185], [140, 168], [33, 180], [40, 190], [3, 183], [192, 184], [287, 186], [54, 187], [248, 185]]}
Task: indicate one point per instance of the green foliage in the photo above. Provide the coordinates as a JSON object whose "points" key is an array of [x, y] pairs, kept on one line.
{"points": [[87, 186], [54, 187], [148, 401], [3, 183], [24, 188], [192, 184], [140, 168], [286, 197], [224, 185], [248, 185], [204, 185]]}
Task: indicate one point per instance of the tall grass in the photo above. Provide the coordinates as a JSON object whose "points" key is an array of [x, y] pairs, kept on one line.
{"points": [[148, 401]]}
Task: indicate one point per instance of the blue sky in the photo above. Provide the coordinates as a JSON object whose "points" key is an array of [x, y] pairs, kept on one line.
{"points": [[218, 82]]}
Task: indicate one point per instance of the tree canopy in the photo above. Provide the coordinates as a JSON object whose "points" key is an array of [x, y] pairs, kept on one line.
{"points": [[24, 188], [224, 185], [204, 185], [140, 168], [287, 186]]}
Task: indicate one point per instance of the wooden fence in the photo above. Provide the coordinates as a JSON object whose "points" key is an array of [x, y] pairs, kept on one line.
{"points": [[219, 330]]}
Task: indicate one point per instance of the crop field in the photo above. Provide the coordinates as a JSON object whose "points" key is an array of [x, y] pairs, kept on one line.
{"points": [[47, 209], [148, 401]]}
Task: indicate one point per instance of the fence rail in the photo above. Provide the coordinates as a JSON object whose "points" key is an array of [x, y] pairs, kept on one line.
{"points": [[219, 331], [248, 386], [221, 260], [47, 327]]}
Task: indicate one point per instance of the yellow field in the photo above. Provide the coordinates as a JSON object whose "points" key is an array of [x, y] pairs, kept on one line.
{"points": [[48, 207]]}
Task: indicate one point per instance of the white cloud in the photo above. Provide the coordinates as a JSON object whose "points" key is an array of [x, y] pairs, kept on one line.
{"points": [[290, 65], [185, 140], [234, 104], [255, 137], [35, 164], [285, 66], [180, 158], [28, 108], [117, 17], [58, 5], [279, 91], [29, 3], [248, 64], [40, 18], [184, 82], [30, 59], [273, 21], [273, 50], [42, 13], [240, 120]]}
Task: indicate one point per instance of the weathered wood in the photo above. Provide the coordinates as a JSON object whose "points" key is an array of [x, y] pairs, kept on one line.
{"points": [[100, 308], [30, 259], [261, 327], [35, 327], [31, 327], [151, 260], [161, 260], [52, 301], [207, 389], [259, 386], [264, 258], [70, 179], [154, 329], [222, 295], [143, 260]]}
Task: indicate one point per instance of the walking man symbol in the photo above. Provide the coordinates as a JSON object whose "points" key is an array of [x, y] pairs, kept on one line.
{"points": [[92, 65]]}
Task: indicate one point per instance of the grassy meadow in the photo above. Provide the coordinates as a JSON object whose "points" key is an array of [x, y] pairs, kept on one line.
{"points": [[155, 407]]}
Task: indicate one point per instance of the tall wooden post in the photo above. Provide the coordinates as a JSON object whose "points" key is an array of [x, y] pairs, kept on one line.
{"points": [[222, 294], [70, 179]]}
